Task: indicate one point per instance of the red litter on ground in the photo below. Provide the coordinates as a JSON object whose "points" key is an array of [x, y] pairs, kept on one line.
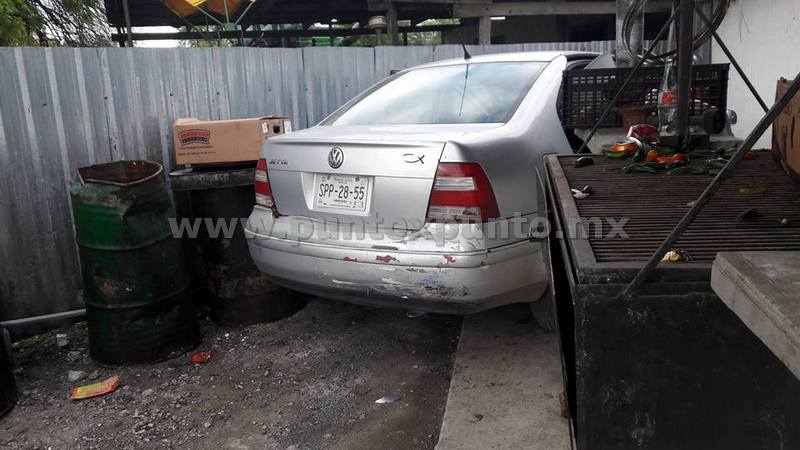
{"points": [[201, 357], [104, 387]]}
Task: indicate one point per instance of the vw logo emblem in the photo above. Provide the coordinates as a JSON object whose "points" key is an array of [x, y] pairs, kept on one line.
{"points": [[335, 157]]}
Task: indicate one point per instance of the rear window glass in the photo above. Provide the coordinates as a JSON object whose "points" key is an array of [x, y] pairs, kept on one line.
{"points": [[464, 93]]}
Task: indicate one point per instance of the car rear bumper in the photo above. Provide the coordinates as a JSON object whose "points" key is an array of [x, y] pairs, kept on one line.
{"points": [[455, 282]]}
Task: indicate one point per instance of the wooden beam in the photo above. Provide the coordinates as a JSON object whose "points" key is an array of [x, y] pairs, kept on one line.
{"points": [[550, 8]]}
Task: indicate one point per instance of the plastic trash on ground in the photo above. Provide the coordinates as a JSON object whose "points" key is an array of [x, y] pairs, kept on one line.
{"points": [[104, 387]]}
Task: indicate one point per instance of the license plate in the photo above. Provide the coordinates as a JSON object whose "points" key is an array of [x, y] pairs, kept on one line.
{"points": [[341, 191]]}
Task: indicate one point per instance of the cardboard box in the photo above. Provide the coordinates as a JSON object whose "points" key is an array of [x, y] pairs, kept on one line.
{"points": [[224, 141], [786, 133]]}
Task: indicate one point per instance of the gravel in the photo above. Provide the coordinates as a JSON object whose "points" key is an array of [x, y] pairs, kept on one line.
{"points": [[308, 381]]}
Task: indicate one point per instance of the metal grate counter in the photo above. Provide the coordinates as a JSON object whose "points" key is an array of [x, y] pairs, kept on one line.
{"points": [[672, 367]]}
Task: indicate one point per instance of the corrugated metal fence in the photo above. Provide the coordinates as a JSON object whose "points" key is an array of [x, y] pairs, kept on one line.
{"points": [[65, 108]]}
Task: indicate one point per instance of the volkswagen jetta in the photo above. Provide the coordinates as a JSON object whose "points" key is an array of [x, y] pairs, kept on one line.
{"points": [[422, 192]]}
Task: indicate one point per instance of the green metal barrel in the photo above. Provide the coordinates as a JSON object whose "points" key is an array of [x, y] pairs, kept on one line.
{"points": [[134, 273], [238, 294], [8, 387]]}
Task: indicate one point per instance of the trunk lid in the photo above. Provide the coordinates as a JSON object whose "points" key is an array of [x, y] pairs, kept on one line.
{"points": [[391, 167]]}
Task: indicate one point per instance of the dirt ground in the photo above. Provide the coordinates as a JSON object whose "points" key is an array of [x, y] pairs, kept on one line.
{"points": [[308, 381]]}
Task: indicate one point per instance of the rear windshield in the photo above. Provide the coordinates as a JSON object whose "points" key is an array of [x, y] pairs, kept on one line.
{"points": [[464, 93]]}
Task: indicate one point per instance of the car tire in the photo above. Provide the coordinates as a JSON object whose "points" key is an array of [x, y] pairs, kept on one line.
{"points": [[269, 304], [544, 314]]}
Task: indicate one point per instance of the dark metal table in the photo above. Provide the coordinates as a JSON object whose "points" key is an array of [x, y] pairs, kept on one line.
{"points": [[672, 367]]}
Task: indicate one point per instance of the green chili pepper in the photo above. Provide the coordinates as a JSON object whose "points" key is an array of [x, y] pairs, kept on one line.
{"points": [[718, 163], [654, 165], [675, 165], [683, 171], [638, 168]]}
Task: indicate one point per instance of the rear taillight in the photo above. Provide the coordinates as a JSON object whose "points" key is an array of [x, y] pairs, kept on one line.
{"points": [[263, 190], [461, 192]]}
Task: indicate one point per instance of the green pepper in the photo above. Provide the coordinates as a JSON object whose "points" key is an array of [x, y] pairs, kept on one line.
{"points": [[584, 161], [638, 168], [680, 171], [654, 165], [666, 151], [675, 165], [685, 170], [718, 163]]}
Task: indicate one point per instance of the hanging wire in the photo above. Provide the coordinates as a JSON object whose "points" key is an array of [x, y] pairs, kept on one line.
{"points": [[704, 35]]}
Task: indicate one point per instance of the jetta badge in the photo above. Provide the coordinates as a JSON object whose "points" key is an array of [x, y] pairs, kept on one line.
{"points": [[335, 157]]}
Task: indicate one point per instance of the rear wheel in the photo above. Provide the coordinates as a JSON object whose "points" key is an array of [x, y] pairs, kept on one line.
{"points": [[267, 303], [574, 141], [543, 311]]}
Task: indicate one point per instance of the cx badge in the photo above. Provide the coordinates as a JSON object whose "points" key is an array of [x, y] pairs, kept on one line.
{"points": [[335, 157]]}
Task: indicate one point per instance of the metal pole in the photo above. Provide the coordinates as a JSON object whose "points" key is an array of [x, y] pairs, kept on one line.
{"points": [[685, 56], [244, 13], [190, 26], [31, 326], [636, 67], [711, 189], [214, 19], [485, 30], [126, 11], [391, 23], [733, 61], [119, 37]]}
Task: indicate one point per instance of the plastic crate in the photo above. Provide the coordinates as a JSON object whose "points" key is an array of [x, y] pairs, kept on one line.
{"points": [[587, 93]]}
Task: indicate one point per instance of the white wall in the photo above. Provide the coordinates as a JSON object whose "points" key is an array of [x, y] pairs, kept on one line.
{"points": [[764, 36]]}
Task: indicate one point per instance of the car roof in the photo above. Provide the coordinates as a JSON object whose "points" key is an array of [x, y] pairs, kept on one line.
{"points": [[514, 56]]}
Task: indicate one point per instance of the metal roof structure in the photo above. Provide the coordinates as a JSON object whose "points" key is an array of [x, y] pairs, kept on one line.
{"points": [[156, 13], [349, 16]]}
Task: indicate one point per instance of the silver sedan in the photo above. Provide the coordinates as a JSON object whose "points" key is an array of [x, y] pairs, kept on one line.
{"points": [[422, 192]]}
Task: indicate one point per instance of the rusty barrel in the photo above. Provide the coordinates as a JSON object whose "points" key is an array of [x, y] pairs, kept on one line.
{"points": [[218, 199], [134, 273], [8, 386]]}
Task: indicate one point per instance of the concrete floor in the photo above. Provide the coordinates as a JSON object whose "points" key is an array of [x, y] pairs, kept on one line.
{"points": [[506, 386], [309, 381]]}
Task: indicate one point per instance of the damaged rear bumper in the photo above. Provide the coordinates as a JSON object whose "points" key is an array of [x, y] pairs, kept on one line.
{"points": [[454, 282]]}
